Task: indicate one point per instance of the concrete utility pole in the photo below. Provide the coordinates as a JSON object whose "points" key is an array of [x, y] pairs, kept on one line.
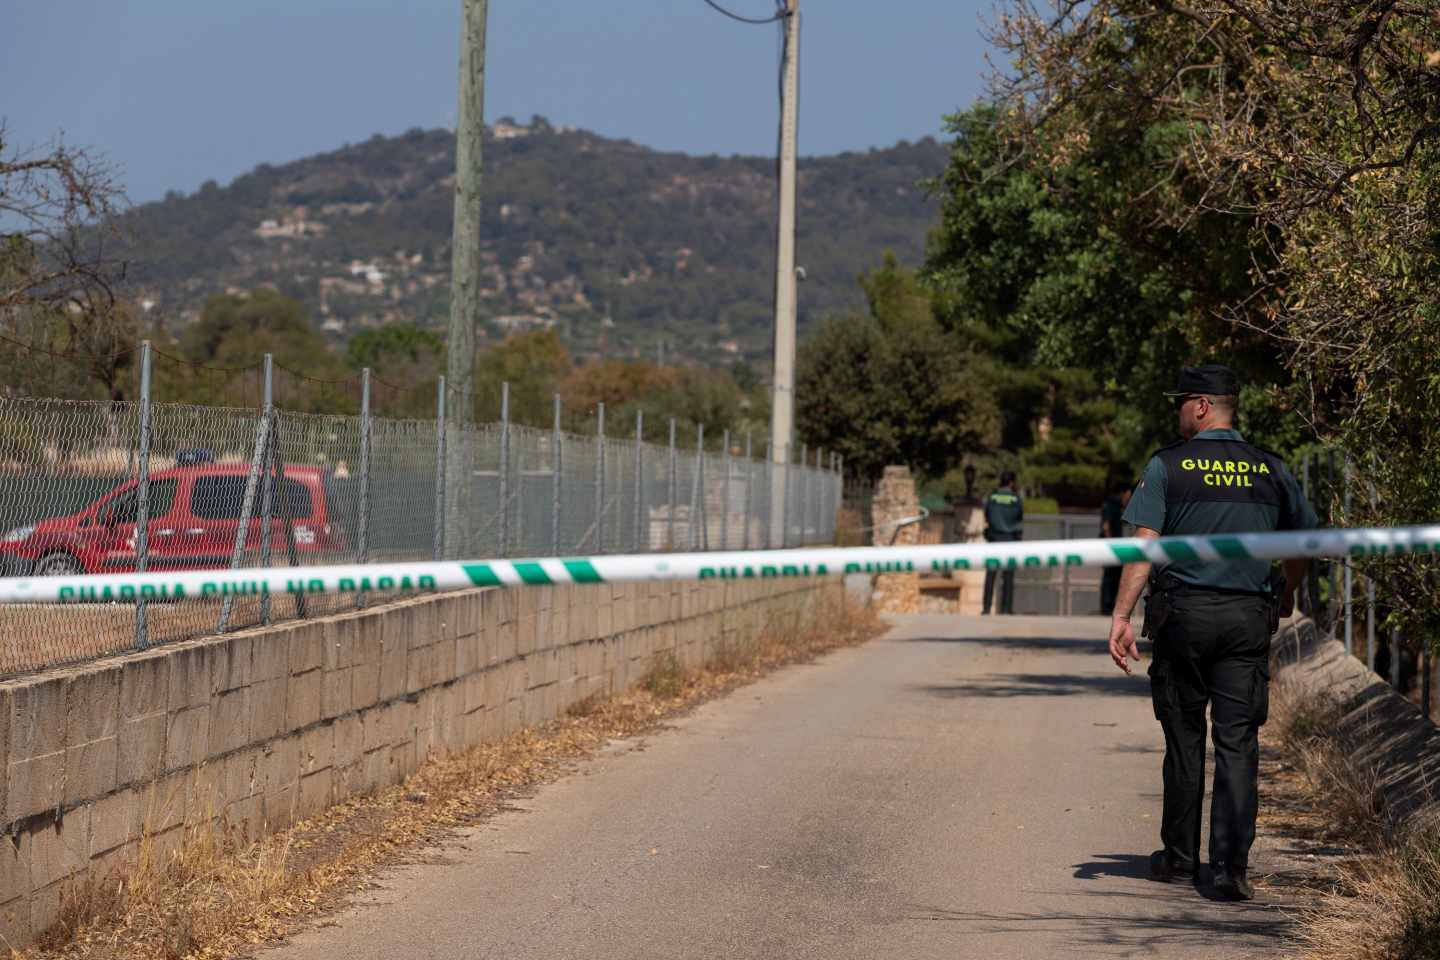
{"points": [[465, 277], [782, 412]]}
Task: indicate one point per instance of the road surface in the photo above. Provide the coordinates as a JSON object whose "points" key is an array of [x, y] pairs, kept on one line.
{"points": [[962, 787]]}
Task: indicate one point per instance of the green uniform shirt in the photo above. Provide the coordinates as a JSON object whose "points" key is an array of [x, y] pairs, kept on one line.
{"points": [[1113, 514], [1004, 511], [1218, 483]]}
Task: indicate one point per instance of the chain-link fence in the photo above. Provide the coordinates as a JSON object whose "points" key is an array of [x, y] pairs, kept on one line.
{"points": [[89, 487]]}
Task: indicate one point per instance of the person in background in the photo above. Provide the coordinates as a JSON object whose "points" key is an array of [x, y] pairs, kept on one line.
{"points": [[1112, 525], [1004, 517]]}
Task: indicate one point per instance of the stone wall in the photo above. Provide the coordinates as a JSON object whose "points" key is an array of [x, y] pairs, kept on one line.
{"points": [[272, 725], [895, 499]]}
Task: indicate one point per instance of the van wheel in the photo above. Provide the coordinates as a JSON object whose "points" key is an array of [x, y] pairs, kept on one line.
{"points": [[58, 565]]}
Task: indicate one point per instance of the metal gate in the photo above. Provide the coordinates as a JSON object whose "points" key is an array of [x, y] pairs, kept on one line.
{"points": [[1059, 591]]}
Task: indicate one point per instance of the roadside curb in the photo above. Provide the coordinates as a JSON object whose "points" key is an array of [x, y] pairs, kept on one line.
{"points": [[1378, 727]]}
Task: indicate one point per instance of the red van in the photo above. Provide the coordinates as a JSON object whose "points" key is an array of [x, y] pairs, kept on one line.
{"points": [[194, 518]]}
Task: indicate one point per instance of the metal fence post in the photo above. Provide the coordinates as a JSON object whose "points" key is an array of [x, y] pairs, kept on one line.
{"points": [[142, 499], [670, 485], [639, 479], [749, 493], [600, 479], [247, 510], [362, 546], [1349, 572], [697, 492], [770, 469], [440, 470], [504, 518], [267, 482], [1395, 657], [556, 462], [725, 492], [1370, 624]]}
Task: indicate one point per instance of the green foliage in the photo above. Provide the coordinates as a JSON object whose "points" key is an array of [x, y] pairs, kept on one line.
{"points": [[534, 364], [892, 386]]}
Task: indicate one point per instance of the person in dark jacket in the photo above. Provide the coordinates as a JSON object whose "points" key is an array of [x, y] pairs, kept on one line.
{"points": [[1209, 620], [1004, 517]]}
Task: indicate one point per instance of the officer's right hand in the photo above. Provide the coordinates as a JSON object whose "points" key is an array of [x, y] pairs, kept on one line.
{"points": [[1123, 648]]}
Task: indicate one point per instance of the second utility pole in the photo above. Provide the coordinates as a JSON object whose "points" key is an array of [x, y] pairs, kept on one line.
{"points": [[782, 408], [465, 280]]}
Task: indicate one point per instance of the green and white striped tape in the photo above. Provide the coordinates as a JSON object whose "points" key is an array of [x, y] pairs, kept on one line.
{"points": [[734, 565]]}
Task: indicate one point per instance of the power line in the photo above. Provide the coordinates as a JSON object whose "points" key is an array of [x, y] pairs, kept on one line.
{"points": [[780, 14]]}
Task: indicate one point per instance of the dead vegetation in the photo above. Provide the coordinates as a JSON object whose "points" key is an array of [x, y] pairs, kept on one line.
{"points": [[1384, 902], [218, 893]]}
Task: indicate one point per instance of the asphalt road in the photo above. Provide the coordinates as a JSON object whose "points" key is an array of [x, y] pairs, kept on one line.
{"points": [[963, 787]]}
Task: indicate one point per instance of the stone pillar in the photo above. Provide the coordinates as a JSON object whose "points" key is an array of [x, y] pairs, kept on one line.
{"points": [[895, 499], [969, 527]]}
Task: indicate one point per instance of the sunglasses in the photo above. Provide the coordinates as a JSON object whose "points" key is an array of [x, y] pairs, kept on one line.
{"points": [[1181, 401]]}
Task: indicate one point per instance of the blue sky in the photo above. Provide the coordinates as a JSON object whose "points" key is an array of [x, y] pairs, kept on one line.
{"points": [[176, 92]]}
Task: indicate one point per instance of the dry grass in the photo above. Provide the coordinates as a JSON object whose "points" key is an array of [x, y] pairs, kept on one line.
{"points": [[218, 894], [1385, 903]]}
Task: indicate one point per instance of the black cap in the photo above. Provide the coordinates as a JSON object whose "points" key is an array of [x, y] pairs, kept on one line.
{"points": [[1214, 379]]}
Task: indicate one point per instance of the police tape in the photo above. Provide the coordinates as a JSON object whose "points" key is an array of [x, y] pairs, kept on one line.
{"points": [[738, 565]]}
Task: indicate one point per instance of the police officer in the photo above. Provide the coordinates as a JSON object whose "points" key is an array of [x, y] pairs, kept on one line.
{"points": [[1210, 622], [1004, 514], [1112, 513]]}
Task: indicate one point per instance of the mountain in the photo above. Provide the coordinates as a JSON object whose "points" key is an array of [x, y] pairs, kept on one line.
{"points": [[622, 248]]}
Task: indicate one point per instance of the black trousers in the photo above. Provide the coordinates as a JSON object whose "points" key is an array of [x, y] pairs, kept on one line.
{"points": [[1214, 648], [1007, 577]]}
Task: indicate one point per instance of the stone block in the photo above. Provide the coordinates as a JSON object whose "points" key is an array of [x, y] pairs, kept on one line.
{"points": [[366, 639], [233, 663], [116, 820], [190, 667], [187, 738], [60, 848], [90, 770], [392, 664], [144, 685], [365, 684], [465, 619], [14, 866], [606, 621], [111, 865], [165, 803], [270, 656], [92, 704], [336, 690], [544, 624], [307, 647], [34, 785], [141, 748], [341, 641], [317, 748], [269, 700], [15, 920], [375, 769], [238, 773], [315, 794], [349, 780], [506, 635], [38, 717], [277, 764], [403, 760], [467, 655], [302, 699], [374, 729], [424, 743], [349, 740], [419, 668], [45, 907], [247, 816], [424, 628], [230, 714], [445, 660], [279, 806]]}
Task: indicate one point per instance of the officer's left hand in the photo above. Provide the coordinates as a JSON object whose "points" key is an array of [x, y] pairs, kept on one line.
{"points": [[1122, 643]]}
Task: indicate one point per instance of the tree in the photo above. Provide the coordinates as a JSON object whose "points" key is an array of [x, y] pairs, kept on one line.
{"points": [[892, 386], [58, 277], [534, 364]]}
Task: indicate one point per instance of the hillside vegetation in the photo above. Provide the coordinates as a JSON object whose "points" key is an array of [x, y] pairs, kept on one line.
{"points": [[616, 246]]}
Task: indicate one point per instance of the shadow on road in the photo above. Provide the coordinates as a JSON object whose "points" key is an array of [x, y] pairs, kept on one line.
{"points": [[1165, 925], [1089, 646], [1132, 865], [1038, 685]]}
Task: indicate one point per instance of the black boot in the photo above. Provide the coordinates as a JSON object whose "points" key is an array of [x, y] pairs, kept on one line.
{"points": [[1231, 883], [1165, 869]]}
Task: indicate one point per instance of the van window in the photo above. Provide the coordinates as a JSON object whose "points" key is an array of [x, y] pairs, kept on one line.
{"points": [[223, 498], [126, 507]]}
